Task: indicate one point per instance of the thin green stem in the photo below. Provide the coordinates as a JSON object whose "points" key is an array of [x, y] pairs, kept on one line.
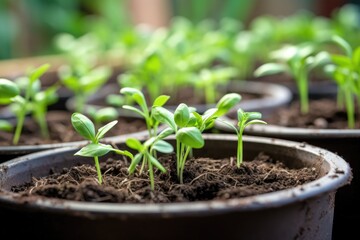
{"points": [[98, 170], [349, 102], [240, 148], [340, 99], [41, 119], [79, 102], [151, 174], [303, 92], [19, 126], [183, 163], [178, 153], [210, 93]]}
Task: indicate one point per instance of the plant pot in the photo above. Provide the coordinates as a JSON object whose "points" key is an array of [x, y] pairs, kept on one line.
{"points": [[344, 142], [267, 95], [318, 86], [8, 152], [302, 212]]}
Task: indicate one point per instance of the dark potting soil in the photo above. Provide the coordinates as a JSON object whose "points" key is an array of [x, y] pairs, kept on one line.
{"points": [[61, 130], [323, 114], [204, 179]]}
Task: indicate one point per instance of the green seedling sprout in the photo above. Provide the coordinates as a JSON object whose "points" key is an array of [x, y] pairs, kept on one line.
{"points": [[297, 61], [103, 115], [345, 70], [244, 119], [95, 149], [147, 151], [144, 111], [210, 79], [188, 126], [34, 101], [8, 90], [83, 84]]}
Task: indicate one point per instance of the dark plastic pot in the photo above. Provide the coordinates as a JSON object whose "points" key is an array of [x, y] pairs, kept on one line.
{"points": [[302, 212], [345, 143], [270, 96]]}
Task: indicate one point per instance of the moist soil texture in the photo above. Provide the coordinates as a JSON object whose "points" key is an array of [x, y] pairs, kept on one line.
{"points": [[204, 179]]}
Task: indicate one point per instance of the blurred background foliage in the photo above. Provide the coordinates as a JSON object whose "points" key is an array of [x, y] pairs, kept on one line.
{"points": [[28, 27]]}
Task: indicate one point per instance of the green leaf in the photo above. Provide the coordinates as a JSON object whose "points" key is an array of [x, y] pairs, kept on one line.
{"points": [[156, 163], [341, 60], [103, 130], [164, 116], [253, 115], [319, 59], [5, 126], [8, 89], [106, 114], [241, 115], [115, 100], [94, 150], [83, 126], [166, 132], [38, 72], [134, 109], [136, 94], [161, 100], [138, 157], [356, 57], [343, 44], [182, 115], [134, 144], [270, 69], [190, 136], [163, 146], [227, 102], [255, 121]]}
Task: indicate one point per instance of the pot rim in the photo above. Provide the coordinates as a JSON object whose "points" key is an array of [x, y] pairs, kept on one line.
{"points": [[339, 174], [271, 130], [274, 95]]}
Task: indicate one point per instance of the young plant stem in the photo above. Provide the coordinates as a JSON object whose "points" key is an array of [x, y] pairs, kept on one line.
{"points": [[303, 92], [19, 126], [40, 118], [151, 174], [340, 99], [79, 102], [239, 150], [210, 94], [178, 157], [349, 102], [183, 160], [97, 165]]}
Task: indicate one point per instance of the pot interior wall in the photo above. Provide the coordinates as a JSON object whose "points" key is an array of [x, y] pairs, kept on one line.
{"points": [[22, 171]]}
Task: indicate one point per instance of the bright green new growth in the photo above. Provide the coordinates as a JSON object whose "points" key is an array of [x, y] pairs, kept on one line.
{"points": [[244, 119], [83, 83], [35, 101], [147, 151], [102, 115], [345, 70], [95, 149], [297, 61], [188, 126], [144, 111]]}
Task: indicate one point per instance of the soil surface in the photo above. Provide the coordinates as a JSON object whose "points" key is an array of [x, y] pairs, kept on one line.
{"points": [[204, 179], [61, 130], [324, 114]]}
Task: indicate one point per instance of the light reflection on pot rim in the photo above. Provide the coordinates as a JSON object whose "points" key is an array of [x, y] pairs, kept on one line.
{"points": [[338, 176]]}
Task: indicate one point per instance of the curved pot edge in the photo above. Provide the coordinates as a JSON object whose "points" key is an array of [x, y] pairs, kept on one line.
{"points": [[340, 176]]}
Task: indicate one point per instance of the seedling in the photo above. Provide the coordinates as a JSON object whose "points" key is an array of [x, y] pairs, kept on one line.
{"points": [[344, 69], [297, 61], [83, 83], [35, 101], [95, 149], [244, 119], [210, 79], [144, 111], [188, 126], [102, 115], [147, 153]]}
